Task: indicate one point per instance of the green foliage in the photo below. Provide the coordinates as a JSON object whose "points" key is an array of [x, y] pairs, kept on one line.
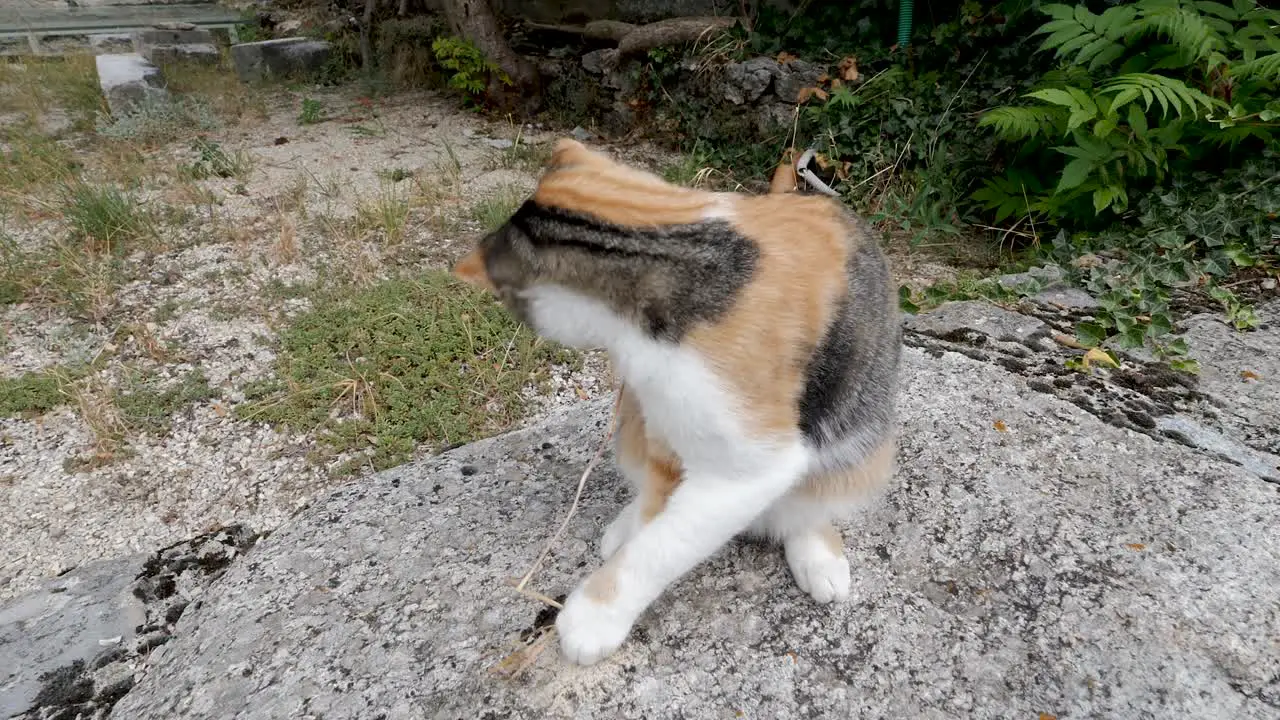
{"points": [[213, 161], [1151, 87], [32, 393], [406, 362], [1186, 240], [312, 112], [159, 119], [148, 407], [469, 70]]}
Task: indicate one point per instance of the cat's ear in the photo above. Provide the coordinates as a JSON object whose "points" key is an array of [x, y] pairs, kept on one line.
{"points": [[784, 177], [471, 270], [569, 152]]}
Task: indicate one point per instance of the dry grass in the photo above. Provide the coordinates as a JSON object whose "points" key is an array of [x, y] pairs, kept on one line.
{"points": [[286, 249]]}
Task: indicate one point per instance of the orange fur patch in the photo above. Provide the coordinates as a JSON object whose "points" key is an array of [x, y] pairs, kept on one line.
{"points": [[833, 540], [662, 468], [588, 182], [602, 586], [762, 346], [471, 270], [873, 474]]}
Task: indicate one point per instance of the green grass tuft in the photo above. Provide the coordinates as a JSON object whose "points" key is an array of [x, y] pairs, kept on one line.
{"points": [[493, 211], [33, 393], [104, 217], [405, 362]]}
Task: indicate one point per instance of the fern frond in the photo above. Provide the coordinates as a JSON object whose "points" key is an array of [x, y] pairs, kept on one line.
{"points": [[1265, 68], [1166, 91], [1024, 123], [1085, 38], [1186, 29]]}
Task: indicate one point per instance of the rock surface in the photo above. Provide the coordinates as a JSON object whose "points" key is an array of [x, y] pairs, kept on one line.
{"points": [[128, 80], [1031, 557], [73, 648], [280, 58], [70, 620]]}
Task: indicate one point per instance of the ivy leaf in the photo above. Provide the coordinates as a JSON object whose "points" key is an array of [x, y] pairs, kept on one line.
{"points": [[1090, 334]]}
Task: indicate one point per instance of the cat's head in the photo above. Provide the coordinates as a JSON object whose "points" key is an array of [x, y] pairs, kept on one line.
{"points": [[569, 235]]}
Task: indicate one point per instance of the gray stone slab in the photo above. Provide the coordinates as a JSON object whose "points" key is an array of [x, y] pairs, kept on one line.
{"points": [[978, 316], [75, 617], [200, 54], [112, 43], [280, 58], [165, 36], [1029, 558], [128, 80]]}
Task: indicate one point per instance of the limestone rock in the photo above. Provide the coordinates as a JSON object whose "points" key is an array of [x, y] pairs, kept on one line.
{"points": [[72, 619], [199, 53], [793, 76], [745, 82], [284, 57], [173, 35], [1029, 558], [128, 80]]}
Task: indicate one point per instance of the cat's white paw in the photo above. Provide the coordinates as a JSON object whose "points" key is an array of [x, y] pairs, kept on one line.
{"points": [[818, 570], [589, 630], [620, 530]]}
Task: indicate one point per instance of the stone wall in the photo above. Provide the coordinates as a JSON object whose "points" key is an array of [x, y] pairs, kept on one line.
{"points": [[728, 103]]}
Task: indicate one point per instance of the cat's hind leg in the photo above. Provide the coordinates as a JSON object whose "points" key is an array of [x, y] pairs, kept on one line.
{"points": [[803, 522]]}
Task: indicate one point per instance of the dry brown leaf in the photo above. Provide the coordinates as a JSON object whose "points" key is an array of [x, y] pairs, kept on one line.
{"points": [[1249, 375], [785, 57], [582, 394], [219, 409], [1047, 716], [808, 92], [1067, 341], [1000, 426], [795, 659], [1135, 546], [849, 69], [822, 160]]}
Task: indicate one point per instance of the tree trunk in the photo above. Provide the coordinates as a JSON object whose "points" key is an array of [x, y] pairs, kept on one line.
{"points": [[475, 21], [366, 35]]}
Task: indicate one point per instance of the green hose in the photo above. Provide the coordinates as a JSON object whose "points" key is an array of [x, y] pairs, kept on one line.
{"points": [[904, 22]]}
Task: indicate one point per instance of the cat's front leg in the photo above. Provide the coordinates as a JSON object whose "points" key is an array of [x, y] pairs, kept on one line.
{"points": [[706, 510]]}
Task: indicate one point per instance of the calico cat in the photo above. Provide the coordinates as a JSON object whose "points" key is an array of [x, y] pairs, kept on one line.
{"points": [[758, 341]]}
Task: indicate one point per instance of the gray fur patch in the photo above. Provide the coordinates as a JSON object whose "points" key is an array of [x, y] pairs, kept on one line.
{"points": [[846, 409]]}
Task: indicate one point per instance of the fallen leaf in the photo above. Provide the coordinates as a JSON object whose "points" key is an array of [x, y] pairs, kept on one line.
{"points": [[1000, 426], [1067, 341], [806, 93], [785, 57], [1047, 716], [795, 659], [1135, 546], [1099, 356], [1249, 375], [582, 394], [822, 161], [219, 409], [849, 69]]}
